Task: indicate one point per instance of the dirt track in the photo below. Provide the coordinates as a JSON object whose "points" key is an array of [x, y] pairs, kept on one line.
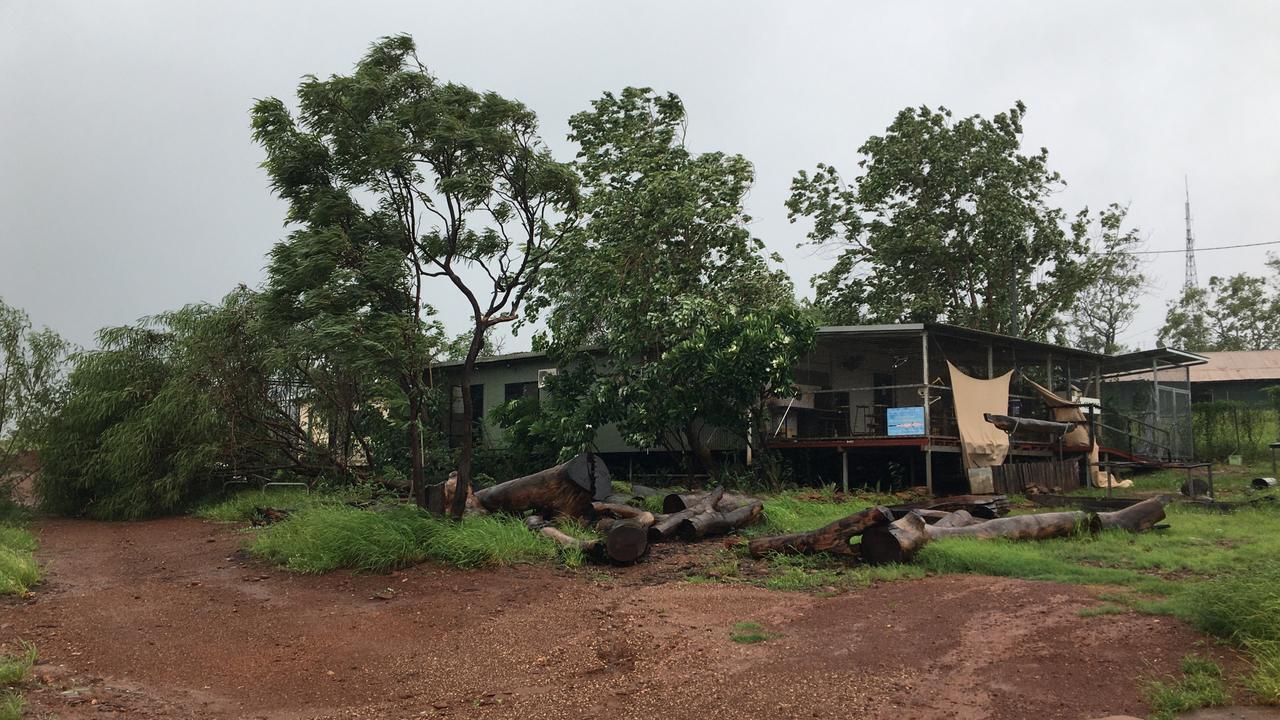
{"points": [[168, 619]]}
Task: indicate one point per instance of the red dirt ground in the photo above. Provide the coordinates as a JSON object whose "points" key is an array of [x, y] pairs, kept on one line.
{"points": [[169, 619]]}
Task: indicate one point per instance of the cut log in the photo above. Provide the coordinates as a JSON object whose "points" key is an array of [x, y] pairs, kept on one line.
{"points": [[895, 542], [1137, 517], [676, 502], [566, 489], [626, 541], [899, 540], [715, 522], [832, 538], [666, 526]]}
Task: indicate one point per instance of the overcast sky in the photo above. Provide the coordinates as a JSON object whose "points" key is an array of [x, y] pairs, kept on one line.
{"points": [[129, 183]]}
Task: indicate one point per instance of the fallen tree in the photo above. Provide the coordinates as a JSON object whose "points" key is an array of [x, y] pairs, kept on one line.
{"points": [[899, 540], [832, 538]]}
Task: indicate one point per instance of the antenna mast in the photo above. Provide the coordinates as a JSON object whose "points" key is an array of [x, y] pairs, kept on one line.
{"points": [[1192, 280]]}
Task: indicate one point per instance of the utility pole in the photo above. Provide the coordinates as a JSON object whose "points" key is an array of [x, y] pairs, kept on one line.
{"points": [[1191, 281]]}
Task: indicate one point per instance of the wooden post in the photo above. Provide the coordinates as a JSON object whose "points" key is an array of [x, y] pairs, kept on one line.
{"points": [[844, 469], [991, 363], [928, 424]]}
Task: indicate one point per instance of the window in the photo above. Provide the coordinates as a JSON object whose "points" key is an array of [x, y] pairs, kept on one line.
{"points": [[515, 391]]}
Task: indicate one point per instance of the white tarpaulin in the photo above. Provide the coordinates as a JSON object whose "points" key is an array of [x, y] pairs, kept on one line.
{"points": [[981, 443]]}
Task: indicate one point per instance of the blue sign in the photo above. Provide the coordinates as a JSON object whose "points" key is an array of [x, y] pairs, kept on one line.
{"points": [[905, 421]]}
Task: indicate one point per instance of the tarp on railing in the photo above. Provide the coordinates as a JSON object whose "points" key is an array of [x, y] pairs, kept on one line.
{"points": [[981, 443]]}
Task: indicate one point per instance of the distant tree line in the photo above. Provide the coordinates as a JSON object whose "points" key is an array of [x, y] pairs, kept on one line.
{"points": [[662, 308]]}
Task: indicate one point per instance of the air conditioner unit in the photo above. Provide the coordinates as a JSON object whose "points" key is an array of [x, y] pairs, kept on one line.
{"points": [[544, 374]]}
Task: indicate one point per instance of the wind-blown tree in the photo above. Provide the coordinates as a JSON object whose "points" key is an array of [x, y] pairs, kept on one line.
{"points": [[452, 183], [1106, 306], [663, 313], [1240, 312], [165, 411], [32, 364], [948, 221]]}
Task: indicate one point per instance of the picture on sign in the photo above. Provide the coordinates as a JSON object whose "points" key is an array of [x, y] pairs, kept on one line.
{"points": [[905, 421]]}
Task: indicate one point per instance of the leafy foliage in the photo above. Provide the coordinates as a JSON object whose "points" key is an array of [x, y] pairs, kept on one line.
{"points": [[31, 373], [397, 177], [166, 410], [1105, 307], [662, 311], [949, 221], [1240, 312]]}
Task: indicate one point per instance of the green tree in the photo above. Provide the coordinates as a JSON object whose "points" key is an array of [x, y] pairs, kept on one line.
{"points": [[1105, 307], [31, 374], [165, 411], [1239, 312], [948, 221], [443, 181], [663, 313]]}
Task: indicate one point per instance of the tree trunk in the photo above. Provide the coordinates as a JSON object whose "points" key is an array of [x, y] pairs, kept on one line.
{"points": [[832, 538], [717, 522], [1137, 517], [566, 489], [898, 541], [666, 527], [626, 541], [700, 452], [417, 477], [467, 452], [675, 502]]}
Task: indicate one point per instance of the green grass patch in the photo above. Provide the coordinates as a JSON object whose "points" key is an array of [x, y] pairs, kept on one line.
{"points": [[1201, 685], [15, 669], [748, 633], [323, 538], [19, 570], [11, 705]]}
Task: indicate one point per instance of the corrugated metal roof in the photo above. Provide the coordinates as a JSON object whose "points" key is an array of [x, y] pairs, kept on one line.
{"points": [[1238, 365]]}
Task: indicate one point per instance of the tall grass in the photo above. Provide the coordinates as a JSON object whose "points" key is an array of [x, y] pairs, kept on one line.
{"points": [[18, 568], [322, 538]]}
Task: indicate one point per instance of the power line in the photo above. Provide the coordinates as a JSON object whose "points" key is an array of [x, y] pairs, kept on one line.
{"points": [[1202, 249]]}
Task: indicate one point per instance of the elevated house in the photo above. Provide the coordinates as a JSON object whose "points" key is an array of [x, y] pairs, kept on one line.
{"points": [[876, 404]]}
